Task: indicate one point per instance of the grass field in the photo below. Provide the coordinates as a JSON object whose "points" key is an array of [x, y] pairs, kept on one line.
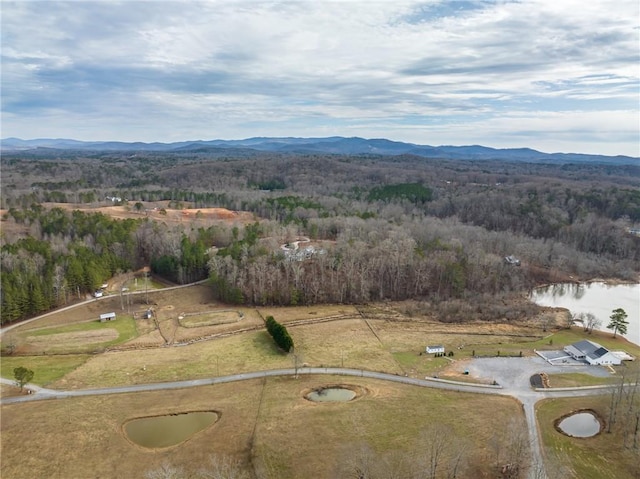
{"points": [[47, 369], [310, 438], [314, 437], [568, 380], [79, 337], [210, 318], [600, 457]]}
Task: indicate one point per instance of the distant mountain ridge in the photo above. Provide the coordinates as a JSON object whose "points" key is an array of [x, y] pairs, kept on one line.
{"points": [[329, 145]]}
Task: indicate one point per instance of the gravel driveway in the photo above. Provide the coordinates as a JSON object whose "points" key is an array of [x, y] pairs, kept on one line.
{"points": [[513, 373]]}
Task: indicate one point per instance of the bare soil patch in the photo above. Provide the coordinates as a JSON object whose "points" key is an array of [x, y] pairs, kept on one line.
{"points": [[188, 216]]}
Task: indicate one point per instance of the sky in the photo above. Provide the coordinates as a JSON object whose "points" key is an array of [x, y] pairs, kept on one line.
{"points": [[554, 75]]}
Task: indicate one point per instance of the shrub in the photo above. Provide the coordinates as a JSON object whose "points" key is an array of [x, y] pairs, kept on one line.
{"points": [[279, 334]]}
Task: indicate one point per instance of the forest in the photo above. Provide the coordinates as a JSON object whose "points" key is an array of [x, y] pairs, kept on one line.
{"points": [[385, 228]]}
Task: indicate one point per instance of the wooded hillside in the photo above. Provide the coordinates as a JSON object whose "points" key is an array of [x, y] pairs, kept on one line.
{"points": [[379, 227]]}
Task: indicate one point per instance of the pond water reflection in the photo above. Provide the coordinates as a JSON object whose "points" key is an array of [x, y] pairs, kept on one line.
{"points": [[334, 394], [598, 298], [582, 424], [169, 430]]}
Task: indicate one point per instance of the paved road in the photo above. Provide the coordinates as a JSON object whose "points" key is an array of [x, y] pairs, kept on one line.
{"points": [[511, 375], [43, 393]]}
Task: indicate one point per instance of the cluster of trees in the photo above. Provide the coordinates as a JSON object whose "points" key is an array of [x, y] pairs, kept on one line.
{"points": [[279, 334], [67, 255], [439, 453], [371, 260], [219, 467], [187, 265], [415, 193], [389, 227], [624, 411]]}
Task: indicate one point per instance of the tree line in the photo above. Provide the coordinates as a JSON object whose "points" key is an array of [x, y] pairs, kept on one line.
{"points": [[67, 255], [385, 227]]}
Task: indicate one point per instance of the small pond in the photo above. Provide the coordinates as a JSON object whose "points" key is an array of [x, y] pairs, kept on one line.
{"points": [[580, 424], [331, 394], [169, 430]]}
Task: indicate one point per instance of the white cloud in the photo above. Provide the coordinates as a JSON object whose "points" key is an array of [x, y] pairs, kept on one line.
{"points": [[112, 70]]}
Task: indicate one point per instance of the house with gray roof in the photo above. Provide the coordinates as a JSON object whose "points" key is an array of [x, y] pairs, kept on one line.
{"points": [[591, 353]]}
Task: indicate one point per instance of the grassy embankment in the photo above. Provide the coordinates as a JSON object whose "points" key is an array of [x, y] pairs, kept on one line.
{"points": [[600, 457]]}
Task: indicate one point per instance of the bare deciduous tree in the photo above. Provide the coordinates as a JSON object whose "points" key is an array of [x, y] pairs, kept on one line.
{"points": [[223, 467], [165, 471]]}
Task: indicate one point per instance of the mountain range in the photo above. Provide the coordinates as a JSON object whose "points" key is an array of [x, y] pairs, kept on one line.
{"points": [[329, 145]]}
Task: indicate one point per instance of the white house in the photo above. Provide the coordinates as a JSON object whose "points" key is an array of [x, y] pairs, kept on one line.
{"points": [[591, 353], [435, 349], [107, 317]]}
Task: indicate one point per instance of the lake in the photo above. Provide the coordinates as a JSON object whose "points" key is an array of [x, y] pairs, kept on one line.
{"points": [[599, 299]]}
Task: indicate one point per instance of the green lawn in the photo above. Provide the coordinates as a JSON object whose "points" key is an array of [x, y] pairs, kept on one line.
{"points": [[124, 325], [600, 457], [61, 340], [47, 369], [555, 340], [426, 364], [566, 380]]}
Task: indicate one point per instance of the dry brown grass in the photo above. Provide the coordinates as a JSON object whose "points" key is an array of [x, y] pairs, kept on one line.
{"points": [[66, 340], [7, 390], [298, 313], [391, 345], [603, 456], [310, 438], [210, 318]]}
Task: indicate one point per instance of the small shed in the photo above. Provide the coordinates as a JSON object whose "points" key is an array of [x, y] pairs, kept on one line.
{"points": [[107, 317], [435, 349]]}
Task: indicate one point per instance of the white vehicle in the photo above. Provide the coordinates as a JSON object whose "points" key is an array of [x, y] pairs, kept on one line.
{"points": [[98, 294]]}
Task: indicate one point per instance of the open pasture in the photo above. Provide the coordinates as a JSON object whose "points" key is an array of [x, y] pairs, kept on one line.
{"points": [[210, 318], [257, 419]]}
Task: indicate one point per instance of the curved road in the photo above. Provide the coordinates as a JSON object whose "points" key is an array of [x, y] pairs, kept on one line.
{"points": [[523, 393], [511, 374]]}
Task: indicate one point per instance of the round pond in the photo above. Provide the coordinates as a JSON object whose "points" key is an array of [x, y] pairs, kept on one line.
{"points": [[169, 430], [579, 424], [331, 394]]}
